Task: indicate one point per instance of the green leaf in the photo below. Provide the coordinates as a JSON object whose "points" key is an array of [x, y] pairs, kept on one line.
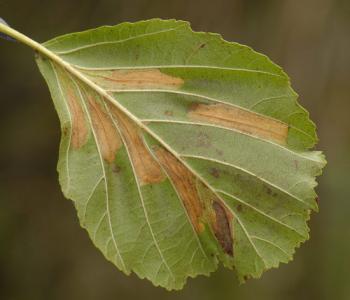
{"points": [[181, 150]]}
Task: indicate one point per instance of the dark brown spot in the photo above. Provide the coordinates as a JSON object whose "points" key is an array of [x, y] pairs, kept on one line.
{"points": [[268, 190], [116, 169], [65, 131], [222, 227], [239, 207], [193, 106], [168, 113], [215, 172], [203, 140], [219, 152], [296, 164]]}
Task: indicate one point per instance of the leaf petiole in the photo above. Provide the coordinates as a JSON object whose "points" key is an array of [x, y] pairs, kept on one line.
{"points": [[18, 36]]}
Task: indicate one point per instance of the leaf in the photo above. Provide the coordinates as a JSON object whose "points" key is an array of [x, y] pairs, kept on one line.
{"points": [[181, 150]]}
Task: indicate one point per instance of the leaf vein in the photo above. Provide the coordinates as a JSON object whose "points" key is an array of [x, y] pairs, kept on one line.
{"points": [[90, 196], [271, 243], [70, 51]]}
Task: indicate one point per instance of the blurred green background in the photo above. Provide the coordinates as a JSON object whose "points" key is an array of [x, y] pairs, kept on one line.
{"points": [[44, 254]]}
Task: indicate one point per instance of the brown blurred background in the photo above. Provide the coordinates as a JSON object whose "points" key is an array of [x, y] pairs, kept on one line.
{"points": [[44, 254]]}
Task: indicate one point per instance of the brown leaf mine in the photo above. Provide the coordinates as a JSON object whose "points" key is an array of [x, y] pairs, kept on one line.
{"points": [[79, 127], [185, 184], [135, 79], [146, 167], [107, 135], [241, 120]]}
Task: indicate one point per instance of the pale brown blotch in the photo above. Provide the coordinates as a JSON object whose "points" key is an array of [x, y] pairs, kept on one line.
{"points": [[135, 79], [79, 126], [146, 167], [185, 184], [242, 120], [107, 135]]}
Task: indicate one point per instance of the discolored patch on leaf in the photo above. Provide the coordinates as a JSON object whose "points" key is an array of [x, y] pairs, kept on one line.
{"points": [[79, 126], [215, 172], [135, 79], [222, 227], [108, 137], [146, 167], [242, 120], [185, 184]]}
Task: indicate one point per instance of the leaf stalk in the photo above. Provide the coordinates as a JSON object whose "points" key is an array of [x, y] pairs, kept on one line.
{"points": [[7, 30]]}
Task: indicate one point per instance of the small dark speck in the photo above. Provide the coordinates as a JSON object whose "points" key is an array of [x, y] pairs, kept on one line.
{"points": [[296, 164], [169, 113], [116, 169], [203, 140], [239, 207], [65, 131], [269, 191], [219, 152], [193, 106], [215, 172]]}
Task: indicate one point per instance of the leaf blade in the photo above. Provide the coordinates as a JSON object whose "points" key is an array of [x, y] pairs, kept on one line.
{"points": [[135, 105]]}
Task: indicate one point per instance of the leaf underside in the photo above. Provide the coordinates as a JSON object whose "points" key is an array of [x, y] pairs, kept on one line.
{"points": [[181, 150]]}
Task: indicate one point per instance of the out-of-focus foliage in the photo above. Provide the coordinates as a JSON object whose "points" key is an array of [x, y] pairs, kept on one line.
{"points": [[43, 252]]}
